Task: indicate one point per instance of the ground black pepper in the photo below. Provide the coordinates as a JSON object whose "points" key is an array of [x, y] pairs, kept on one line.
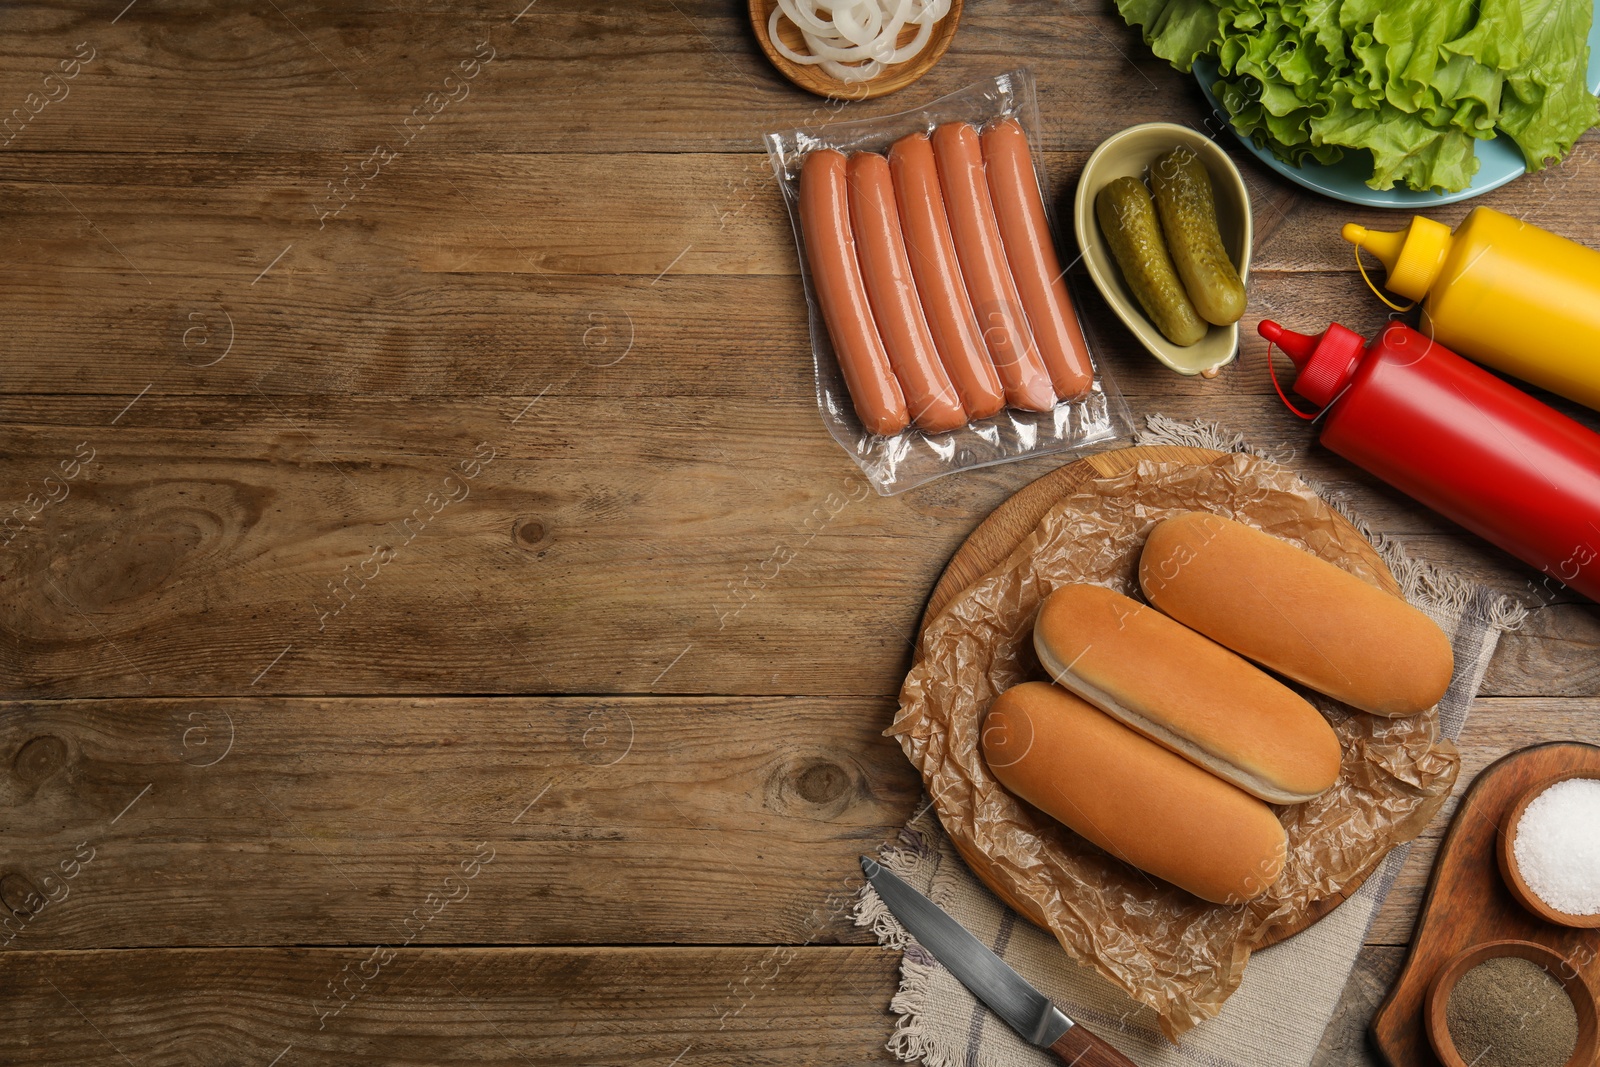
{"points": [[1511, 1012]]}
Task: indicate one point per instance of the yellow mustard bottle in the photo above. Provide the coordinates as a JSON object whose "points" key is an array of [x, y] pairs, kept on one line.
{"points": [[1502, 291]]}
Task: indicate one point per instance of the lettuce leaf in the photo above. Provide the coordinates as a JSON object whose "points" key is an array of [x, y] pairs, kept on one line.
{"points": [[1176, 30], [1412, 82], [1547, 104]]}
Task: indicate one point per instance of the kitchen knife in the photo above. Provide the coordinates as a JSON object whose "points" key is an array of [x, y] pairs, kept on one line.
{"points": [[988, 977]]}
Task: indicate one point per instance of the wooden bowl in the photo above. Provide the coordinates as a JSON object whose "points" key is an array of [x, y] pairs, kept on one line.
{"points": [[1129, 154], [1559, 967], [1506, 849], [814, 80]]}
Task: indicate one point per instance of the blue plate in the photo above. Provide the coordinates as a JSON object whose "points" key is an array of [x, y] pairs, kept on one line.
{"points": [[1499, 159]]}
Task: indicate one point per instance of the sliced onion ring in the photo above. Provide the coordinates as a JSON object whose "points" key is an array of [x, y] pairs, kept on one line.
{"points": [[857, 39]]}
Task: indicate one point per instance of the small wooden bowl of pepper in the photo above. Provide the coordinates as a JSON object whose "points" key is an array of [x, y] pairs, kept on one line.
{"points": [[1486, 1008]]}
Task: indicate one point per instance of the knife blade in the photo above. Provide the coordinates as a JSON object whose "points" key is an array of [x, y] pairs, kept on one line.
{"points": [[1009, 995]]}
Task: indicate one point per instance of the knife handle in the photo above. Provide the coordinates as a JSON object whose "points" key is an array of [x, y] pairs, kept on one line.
{"points": [[1079, 1048]]}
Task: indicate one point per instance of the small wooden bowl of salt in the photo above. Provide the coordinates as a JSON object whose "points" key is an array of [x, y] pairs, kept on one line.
{"points": [[1549, 850]]}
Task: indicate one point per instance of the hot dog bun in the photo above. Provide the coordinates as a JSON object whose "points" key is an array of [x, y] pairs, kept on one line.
{"points": [[1140, 802], [1186, 692], [1296, 614]]}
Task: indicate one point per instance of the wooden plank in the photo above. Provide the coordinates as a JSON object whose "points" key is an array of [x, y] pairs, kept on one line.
{"points": [[569, 213], [374, 438], [1495, 719], [577, 544], [597, 543], [307, 1007], [322, 817], [673, 74], [394, 333], [604, 820], [1497, 726], [547, 213], [1557, 652], [550, 213]]}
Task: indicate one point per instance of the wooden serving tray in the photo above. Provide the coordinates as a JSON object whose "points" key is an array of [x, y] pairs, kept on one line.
{"points": [[1010, 523], [1468, 902]]}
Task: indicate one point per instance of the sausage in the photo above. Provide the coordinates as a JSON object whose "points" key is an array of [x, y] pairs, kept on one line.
{"points": [[831, 252], [984, 269], [930, 398], [1035, 268], [938, 277]]}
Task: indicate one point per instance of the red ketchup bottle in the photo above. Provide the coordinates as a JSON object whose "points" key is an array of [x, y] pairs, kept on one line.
{"points": [[1445, 431]]}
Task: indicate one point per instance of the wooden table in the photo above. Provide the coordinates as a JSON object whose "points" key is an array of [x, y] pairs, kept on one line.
{"points": [[436, 625]]}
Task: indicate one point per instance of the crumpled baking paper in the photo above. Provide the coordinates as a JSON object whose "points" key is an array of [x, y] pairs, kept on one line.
{"points": [[1164, 947]]}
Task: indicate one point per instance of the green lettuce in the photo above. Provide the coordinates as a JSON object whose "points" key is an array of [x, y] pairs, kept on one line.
{"points": [[1547, 104], [1415, 83]]}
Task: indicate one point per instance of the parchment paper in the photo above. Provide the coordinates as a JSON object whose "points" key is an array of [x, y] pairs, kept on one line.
{"points": [[1164, 947]]}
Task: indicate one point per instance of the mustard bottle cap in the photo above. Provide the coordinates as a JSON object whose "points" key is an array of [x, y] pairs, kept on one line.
{"points": [[1413, 256]]}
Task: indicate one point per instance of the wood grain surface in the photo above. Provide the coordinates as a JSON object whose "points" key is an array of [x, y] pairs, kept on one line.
{"points": [[402, 403], [423, 1007]]}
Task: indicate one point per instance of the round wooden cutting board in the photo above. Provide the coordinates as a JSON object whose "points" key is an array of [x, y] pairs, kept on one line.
{"points": [[1011, 523]]}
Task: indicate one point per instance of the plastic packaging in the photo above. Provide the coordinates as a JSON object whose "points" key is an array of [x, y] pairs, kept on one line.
{"points": [[909, 458], [1503, 292], [1483, 453]]}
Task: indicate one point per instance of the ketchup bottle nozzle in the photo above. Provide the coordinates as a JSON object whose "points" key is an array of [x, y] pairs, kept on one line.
{"points": [[1326, 361], [1299, 346]]}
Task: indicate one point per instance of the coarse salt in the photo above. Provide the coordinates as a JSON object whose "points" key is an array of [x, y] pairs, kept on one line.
{"points": [[1557, 846]]}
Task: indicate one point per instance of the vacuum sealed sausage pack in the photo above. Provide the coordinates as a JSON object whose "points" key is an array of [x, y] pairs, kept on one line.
{"points": [[944, 334]]}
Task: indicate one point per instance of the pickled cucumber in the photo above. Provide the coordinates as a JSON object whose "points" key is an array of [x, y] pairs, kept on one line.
{"points": [[1128, 219], [1189, 222]]}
